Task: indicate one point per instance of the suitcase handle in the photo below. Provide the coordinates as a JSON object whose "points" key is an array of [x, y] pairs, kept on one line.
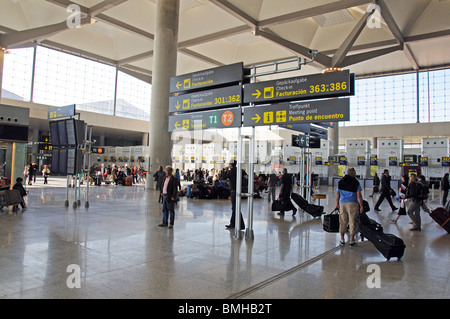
{"points": [[335, 211], [445, 222]]}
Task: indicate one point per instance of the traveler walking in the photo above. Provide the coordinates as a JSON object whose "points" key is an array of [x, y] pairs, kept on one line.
{"points": [[401, 195], [445, 186], [376, 185], [45, 173], [385, 191], [272, 182], [423, 190], [413, 202], [285, 193]]}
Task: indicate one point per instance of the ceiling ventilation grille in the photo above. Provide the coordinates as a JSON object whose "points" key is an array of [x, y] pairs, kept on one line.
{"points": [[334, 18]]}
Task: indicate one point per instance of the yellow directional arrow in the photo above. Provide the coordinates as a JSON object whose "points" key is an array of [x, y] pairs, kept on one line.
{"points": [[257, 94], [256, 118], [178, 105], [177, 125], [179, 85]]}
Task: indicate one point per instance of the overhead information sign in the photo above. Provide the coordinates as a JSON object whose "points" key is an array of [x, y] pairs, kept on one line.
{"points": [[207, 78], [302, 87], [335, 110], [206, 99], [60, 112], [223, 118]]}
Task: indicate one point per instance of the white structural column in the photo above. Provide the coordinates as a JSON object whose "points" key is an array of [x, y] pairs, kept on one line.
{"points": [[164, 67]]}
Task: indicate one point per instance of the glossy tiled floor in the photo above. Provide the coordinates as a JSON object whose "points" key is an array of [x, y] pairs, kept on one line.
{"points": [[122, 253]]}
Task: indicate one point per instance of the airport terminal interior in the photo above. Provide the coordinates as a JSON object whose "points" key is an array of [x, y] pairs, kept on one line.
{"points": [[98, 97]]}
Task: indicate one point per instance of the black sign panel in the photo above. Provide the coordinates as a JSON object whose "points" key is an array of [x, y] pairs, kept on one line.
{"points": [[207, 78], [335, 110], [206, 99], [223, 118], [300, 88], [300, 140]]}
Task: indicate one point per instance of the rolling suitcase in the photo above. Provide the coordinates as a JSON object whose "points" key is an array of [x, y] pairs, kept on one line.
{"points": [[128, 181], [442, 217], [299, 200], [388, 245], [331, 222], [312, 209]]}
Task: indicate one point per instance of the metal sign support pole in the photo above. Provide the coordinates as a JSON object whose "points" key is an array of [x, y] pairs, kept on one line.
{"points": [[249, 231], [88, 164], [237, 215], [75, 203], [308, 174], [66, 203]]}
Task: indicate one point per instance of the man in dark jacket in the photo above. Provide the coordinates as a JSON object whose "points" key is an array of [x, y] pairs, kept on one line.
{"points": [[285, 193], [169, 196], [231, 175], [385, 191]]}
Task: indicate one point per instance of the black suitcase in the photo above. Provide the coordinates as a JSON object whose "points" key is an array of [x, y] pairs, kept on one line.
{"points": [[299, 200], [313, 210], [331, 222], [388, 245], [442, 217]]}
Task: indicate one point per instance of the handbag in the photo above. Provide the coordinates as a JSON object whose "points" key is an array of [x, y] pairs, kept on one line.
{"points": [[366, 207], [277, 205], [392, 192], [402, 209], [331, 222]]}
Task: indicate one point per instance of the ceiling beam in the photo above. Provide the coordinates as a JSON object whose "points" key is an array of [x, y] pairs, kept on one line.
{"points": [[124, 26], [136, 57], [345, 47], [19, 37], [104, 6], [66, 3], [138, 75], [398, 35], [428, 36], [410, 57], [297, 48], [235, 12], [214, 36], [77, 52], [201, 57], [421, 8], [361, 57], [312, 12]]}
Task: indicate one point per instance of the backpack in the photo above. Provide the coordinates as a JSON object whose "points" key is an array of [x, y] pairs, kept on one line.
{"points": [[422, 191]]}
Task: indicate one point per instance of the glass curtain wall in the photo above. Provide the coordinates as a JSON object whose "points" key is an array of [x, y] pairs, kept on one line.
{"points": [[62, 79], [17, 74]]}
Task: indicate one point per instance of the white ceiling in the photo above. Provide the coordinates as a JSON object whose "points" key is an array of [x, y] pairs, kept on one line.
{"points": [[410, 34]]}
